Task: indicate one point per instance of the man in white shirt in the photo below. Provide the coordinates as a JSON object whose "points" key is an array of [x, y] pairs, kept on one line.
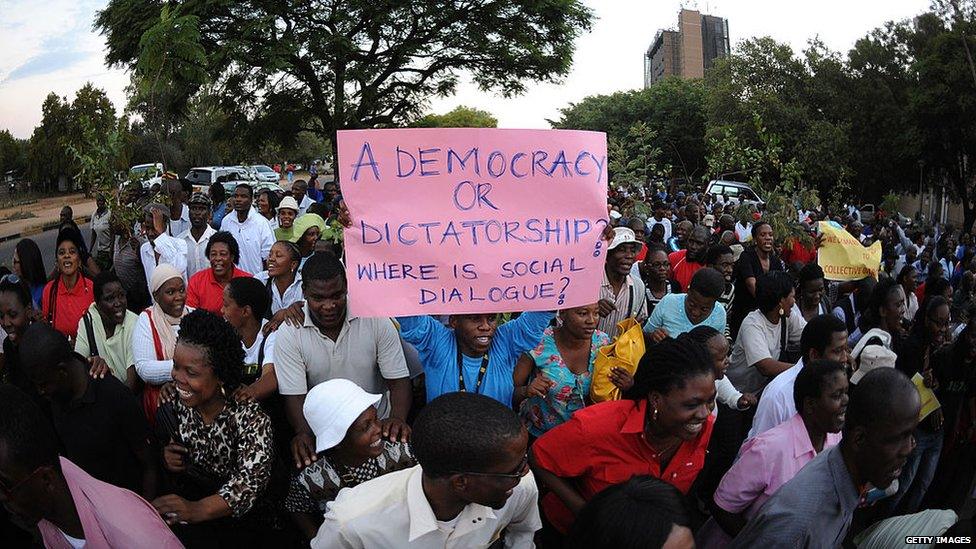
{"points": [[473, 483], [662, 216], [252, 232], [824, 337], [179, 214], [299, 190], [197, 236], [159, 246]]}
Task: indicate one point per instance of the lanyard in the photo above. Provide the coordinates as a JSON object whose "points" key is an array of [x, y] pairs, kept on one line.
{"points": [[481, 372]]}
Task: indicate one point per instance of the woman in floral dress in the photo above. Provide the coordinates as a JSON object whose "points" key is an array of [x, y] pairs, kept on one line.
{"points": [[553, 380]]}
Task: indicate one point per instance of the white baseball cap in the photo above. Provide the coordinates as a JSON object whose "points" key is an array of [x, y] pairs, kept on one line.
{"points": [[288, 203], [621, 235], [331, 407], [872, 358]]}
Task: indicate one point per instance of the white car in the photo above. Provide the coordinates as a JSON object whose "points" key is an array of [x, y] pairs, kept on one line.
{"points": [[148, 174], [265, 173], [733, 191]]}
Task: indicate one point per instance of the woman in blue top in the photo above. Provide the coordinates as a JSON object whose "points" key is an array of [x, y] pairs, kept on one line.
{"points": [[553, 380]]}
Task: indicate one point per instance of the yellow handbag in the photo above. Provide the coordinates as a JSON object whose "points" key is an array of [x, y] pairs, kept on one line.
{"points": [[625, 352]]}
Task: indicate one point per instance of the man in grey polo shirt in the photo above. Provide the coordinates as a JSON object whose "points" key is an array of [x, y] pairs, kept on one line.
{"points": [[331, 344], [815, 508]]}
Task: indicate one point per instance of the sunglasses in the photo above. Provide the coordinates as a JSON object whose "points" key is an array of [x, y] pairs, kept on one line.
{"points": [[519, 472]]}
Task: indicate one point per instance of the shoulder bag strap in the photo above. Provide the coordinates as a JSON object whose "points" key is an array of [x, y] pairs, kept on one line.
{"points": [[90, 332], [52, 299], [270, 291], [261, 354]]}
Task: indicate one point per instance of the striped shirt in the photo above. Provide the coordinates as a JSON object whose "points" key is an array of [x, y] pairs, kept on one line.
{"points": [[630, 302]]}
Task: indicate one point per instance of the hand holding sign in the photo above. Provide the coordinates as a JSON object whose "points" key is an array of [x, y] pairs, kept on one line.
{"points": [[472, 220]]}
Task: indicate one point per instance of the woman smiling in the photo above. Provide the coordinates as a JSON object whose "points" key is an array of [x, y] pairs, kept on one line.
{"points": [[206, 288], [219, 450], [661, 429]]}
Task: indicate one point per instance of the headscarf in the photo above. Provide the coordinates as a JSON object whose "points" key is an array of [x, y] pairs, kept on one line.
{"points": [[163, 322], [304, 223]]}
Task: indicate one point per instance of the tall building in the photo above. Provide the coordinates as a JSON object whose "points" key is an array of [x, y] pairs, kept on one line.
{"points": [[688, 51]]}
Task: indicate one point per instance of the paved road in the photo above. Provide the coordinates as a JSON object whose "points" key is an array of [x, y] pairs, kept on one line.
{"points": [[45, 241]]}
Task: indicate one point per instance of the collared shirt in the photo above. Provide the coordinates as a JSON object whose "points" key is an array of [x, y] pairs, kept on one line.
{"points": [[776, 405], [110, 516], [765, 463], [171, 250], [670, 314], [813, 510], [196, 250], [603, 445], [292, 294], [682, 268], [181, 225], [305, 203], [392, 511], [367, 352], [204, 292], [759, 339], [102, 430], [437, 346], [116, 350], [69, 305], [103, 232], [253, 235], [629, 302]]}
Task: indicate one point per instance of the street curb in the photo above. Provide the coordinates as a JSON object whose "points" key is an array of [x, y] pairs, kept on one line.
{"points": [[37, 229]]}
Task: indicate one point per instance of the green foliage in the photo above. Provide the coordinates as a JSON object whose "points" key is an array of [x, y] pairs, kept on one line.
{"points": [[13, 153], [325, 66], [673, 108], [460, 117], [635, 161]]}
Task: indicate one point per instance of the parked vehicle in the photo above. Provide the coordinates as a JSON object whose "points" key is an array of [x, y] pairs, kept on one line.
{"points": [[148, 174], [733, 191], [265, 173], [867, 212]]}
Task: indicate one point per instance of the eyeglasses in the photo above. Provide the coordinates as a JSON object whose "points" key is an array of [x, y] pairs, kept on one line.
{"points": [[8, 491], [519, 472]]}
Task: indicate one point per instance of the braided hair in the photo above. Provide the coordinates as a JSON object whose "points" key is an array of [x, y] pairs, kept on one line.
{"points": [[669, 365]]}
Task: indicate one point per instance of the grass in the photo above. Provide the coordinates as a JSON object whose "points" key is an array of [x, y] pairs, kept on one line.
{"points": [[23, 214]]}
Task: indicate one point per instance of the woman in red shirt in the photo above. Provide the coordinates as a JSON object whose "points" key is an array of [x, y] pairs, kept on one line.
{"points": [[205, 289], [67, 297], [661, 429]]}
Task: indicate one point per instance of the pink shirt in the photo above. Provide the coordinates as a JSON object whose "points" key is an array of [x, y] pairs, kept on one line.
{"points": [[765, 463], [110, 516]]}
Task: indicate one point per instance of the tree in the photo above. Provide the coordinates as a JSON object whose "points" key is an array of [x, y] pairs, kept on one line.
{"points": [[325, 66], [47, 157], [460, 117], [943, 104], [673, 108], [13, 153]]}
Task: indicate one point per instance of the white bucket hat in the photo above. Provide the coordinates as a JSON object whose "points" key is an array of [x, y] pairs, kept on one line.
{"points": [[622, 235], [872, 358], [331, 407], [288, 203]]}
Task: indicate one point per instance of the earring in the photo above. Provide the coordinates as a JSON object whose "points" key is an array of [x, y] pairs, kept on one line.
{"points": [[654, 415], [782, 312], [222, 392]]}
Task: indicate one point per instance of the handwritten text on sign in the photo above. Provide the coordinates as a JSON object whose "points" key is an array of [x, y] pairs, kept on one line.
{"points": [[452, 221]]}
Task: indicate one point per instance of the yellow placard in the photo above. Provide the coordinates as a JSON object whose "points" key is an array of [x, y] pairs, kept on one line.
{"points": [[843, 257], [929, 402]]}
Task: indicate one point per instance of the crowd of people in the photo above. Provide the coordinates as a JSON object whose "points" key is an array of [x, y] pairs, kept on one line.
{"points": [[198, 380]]}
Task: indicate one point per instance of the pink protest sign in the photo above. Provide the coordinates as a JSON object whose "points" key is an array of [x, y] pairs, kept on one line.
{"points": [[449, 221]]}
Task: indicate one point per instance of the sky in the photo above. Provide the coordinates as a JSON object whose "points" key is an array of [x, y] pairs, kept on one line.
{"points": [[49, 45]]}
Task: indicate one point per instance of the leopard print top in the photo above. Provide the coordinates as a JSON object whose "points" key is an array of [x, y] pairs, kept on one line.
{"points": [[236, 448]]}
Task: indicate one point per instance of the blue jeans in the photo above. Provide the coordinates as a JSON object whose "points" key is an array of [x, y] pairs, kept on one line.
{"points": [[917, 473]]}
